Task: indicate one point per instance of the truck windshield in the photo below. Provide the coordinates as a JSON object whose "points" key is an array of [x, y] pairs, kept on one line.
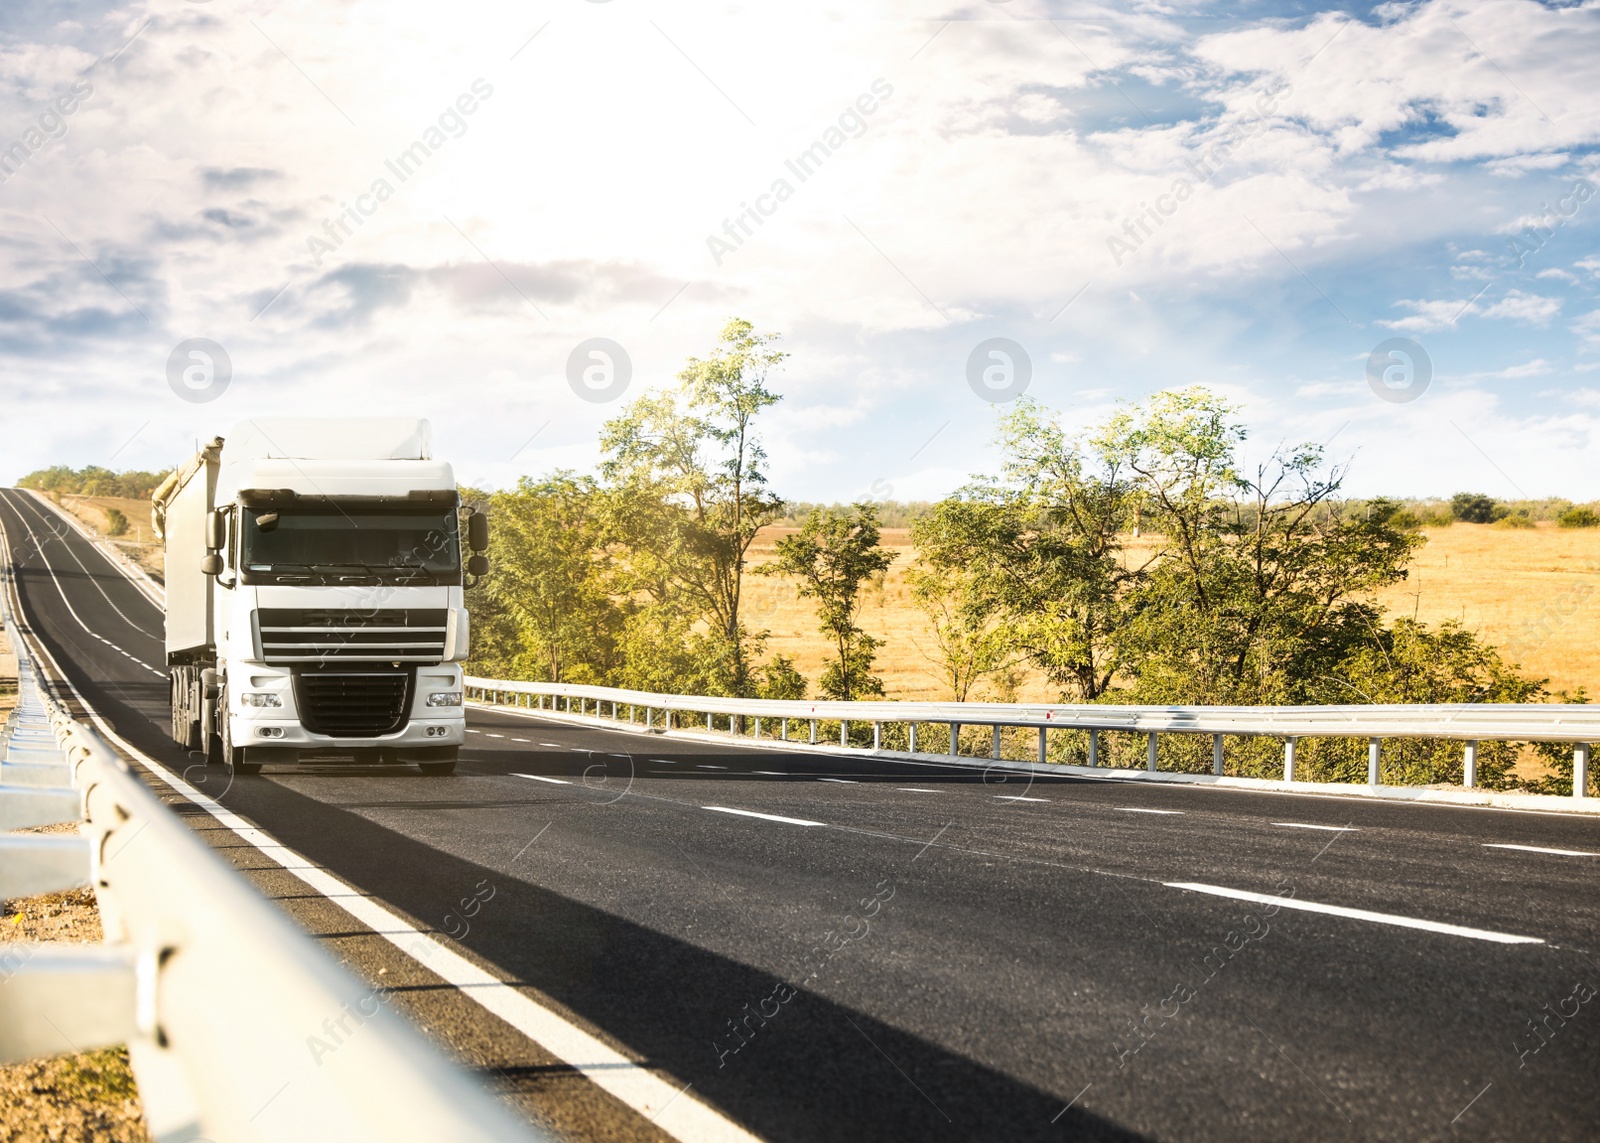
{"points": [[327, 543]]}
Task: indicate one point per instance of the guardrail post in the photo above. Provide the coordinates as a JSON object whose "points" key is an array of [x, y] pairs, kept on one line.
{"points": [[955, 740], [1043, 756], [1094, 747], [755, 730], [994, 748], [708, 721], [667, 720], [844, 732], [1580, 770], [1469, 766], [1374, 750], [784, 729], [1216, 754], [1150, 753], [877, 735], [649, 714], [1289, 745], [911, 734], [813, 732]]}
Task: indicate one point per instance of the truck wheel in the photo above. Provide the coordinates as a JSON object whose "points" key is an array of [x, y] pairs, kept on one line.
{"points": [[236, 758], [438, 768]]}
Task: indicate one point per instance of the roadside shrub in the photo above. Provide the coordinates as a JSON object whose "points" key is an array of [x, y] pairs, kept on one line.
{"points": [[116, 522], [1476, 508], [1515, 520], [1579, 517]]}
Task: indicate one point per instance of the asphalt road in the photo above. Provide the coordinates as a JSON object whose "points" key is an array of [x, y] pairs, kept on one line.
{"points": [[833, 948]]}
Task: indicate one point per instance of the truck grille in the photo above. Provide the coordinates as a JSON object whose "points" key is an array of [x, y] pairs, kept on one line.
{"points": [[325, 636], [353, 704]]}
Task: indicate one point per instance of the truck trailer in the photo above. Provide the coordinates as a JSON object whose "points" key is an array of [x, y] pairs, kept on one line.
{"points": [[315, 595]]}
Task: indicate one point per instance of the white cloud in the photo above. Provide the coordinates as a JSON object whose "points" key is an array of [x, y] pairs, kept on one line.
{"points": [[577, 200]]}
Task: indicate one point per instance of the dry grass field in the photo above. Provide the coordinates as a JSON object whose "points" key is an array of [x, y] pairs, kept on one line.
{"points": [[1534, 592], [139, 542]]}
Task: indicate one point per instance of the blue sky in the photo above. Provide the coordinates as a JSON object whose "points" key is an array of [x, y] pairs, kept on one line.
{"points": [[1385, 158]]}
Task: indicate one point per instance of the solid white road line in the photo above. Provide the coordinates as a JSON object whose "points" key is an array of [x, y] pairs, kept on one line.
{"points": [[1542, 849], [50, 567], [1355, 914], [542, 778], [634, 1084], [1142, 810], [1308, 825], [763, 817]]}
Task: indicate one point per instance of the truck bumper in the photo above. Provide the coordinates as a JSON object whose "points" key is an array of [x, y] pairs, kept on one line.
{"points": [[421, 740]]}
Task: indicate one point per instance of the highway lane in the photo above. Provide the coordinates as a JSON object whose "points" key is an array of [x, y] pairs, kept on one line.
{"points": [[1020, 956]]}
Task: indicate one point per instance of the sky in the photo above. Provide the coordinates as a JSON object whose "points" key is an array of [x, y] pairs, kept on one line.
{"points": [[1370, 226]]}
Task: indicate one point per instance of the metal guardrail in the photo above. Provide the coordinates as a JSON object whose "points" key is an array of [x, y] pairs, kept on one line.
{"points": [[1469, 723], [238, 1026]]}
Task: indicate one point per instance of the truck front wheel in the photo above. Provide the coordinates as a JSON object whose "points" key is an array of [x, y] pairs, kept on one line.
{"points": [[236, 758], [440, 768]]}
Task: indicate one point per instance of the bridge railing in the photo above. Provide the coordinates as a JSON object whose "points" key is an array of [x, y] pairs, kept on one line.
{"points": [[1468, 723], [238, 1026]]}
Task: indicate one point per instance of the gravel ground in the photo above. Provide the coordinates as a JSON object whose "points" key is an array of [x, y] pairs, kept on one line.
{"points": [[88, 1096]]}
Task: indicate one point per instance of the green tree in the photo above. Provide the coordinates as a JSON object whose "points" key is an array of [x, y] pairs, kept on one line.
{"points": [[692, 482], [970, 643], [548, 596], [834, 553], [1263, 581], [1032, 560]]}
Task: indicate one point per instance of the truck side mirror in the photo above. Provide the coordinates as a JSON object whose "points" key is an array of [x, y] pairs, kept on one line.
{"points": [[216, 532], [478, 533], [211, 563], [478, 565]]}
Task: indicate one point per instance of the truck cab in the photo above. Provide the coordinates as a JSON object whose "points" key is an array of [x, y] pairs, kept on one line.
{"points": [[315, 595]]}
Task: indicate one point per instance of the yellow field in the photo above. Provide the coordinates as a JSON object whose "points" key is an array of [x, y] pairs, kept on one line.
{"points": [[139, 542], [1533, 592]]}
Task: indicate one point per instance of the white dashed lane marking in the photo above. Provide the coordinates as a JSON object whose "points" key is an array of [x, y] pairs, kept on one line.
{"points": [[1019, 798], [763, 817], [1356, 914], [1309, 825], [841, 781], [917, 790], [542, 778], [1141, 810], [1542, 849]]}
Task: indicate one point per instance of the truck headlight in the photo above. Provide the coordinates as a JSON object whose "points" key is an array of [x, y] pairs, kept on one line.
{"points": [[259, 698], [445, 698]]}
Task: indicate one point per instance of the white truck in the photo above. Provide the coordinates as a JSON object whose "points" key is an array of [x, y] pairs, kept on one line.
{"points": [[315, 607]]}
